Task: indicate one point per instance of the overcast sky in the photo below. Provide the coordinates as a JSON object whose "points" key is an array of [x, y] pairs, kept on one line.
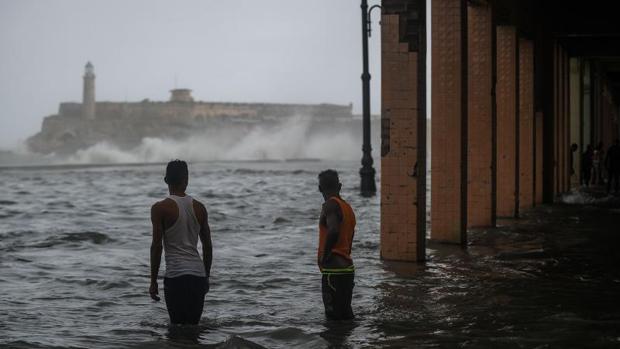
{"points": [[289, 51]]}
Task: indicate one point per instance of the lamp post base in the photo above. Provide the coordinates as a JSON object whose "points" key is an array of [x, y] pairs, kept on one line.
{"points": [[368, 186]]}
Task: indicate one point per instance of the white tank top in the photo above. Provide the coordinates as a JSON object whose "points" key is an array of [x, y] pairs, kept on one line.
{"points": [[181, 240]]}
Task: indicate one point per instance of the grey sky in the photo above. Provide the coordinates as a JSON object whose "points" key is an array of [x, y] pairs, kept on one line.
{"points": [[290, 51]]}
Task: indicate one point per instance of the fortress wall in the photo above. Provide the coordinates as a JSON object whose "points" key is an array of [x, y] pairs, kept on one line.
{"points": [[70, 109], [107, 110], [146, 111], [203, 111], [322, 110], [54, 124]]}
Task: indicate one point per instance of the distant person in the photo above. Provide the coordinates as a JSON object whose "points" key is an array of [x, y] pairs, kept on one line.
{"points": [[612, 163], [336, 230], [586, 166], [597, 163], [573, 149], [179, 221]]}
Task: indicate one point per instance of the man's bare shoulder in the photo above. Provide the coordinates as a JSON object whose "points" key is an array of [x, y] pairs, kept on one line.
{"points": [[162, 205], [200, 211], [331, 206], [199, 205]]}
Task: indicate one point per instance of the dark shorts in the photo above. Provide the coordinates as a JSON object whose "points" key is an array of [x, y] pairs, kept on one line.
{"points": [[185, 297], [337, 293]]}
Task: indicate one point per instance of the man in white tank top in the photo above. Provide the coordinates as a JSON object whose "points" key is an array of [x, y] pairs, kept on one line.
{"points": [[178, 222]]}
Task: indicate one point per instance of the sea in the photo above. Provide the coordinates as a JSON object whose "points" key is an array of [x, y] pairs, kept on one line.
{"points": [[74, 266]]}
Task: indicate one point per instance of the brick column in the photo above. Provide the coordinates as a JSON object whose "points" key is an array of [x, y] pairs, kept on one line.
{"points": [[561, 118], [556, 121], [506, 120], [567, 123], [560, 129], [576, 127], [480, 127], [447, 189], [538, 164], [526, 124], [403, 141], [545, 49]]}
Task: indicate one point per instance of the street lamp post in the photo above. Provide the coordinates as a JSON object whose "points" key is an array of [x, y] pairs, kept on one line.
{"points": [[367, 172]]}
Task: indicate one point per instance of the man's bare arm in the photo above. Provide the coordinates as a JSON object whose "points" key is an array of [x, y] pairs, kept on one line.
{"points": [[333, 220], [156, 249], [205, 239]]}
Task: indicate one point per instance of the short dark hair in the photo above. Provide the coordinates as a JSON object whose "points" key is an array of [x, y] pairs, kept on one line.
{"points": [[176, 172], [328, 180]]}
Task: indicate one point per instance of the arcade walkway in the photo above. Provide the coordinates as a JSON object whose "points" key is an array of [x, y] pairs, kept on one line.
{"points": [[513, 85]]}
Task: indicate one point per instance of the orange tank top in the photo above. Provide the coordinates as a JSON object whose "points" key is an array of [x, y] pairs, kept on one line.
{"points": [[347, 230]]}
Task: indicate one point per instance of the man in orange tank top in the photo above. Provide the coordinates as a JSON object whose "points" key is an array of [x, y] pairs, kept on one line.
{"points": [[336, 231]]}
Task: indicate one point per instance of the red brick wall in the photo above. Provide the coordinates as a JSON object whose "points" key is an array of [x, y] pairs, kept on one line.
{"points": [[399, 119], [526, 123], [538, 189], [480, 127], [446, 121], [506, 119]]}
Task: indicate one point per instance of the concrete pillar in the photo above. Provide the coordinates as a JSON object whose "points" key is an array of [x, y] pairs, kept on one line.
{"points": [[526, 124], [479, 118], [403, 132], [506, 121], [449, 127]]}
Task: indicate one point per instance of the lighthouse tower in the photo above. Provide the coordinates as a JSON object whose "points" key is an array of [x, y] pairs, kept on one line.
{"points": [[88, 97]]}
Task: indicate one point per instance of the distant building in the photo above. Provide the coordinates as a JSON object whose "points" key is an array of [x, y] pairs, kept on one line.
{"points": [[80, 125]]}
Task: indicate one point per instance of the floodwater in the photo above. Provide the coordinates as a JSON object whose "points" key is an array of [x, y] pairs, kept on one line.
{"points": [[74, 267]]}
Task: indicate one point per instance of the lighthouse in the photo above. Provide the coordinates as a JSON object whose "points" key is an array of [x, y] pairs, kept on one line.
{"points": [[88, 97]]}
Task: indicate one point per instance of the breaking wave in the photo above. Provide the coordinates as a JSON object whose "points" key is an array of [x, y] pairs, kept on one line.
{"points": [[582, 197], [292, 139]]}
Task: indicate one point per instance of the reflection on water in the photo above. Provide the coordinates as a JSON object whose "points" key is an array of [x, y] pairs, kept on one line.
{"points": [[74, 267]]}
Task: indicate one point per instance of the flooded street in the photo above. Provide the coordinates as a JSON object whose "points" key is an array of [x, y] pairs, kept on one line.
{"points": [[74, 267]]}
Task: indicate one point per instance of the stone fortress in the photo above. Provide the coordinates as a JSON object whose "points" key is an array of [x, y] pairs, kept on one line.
{"points": [[125, 124]]}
